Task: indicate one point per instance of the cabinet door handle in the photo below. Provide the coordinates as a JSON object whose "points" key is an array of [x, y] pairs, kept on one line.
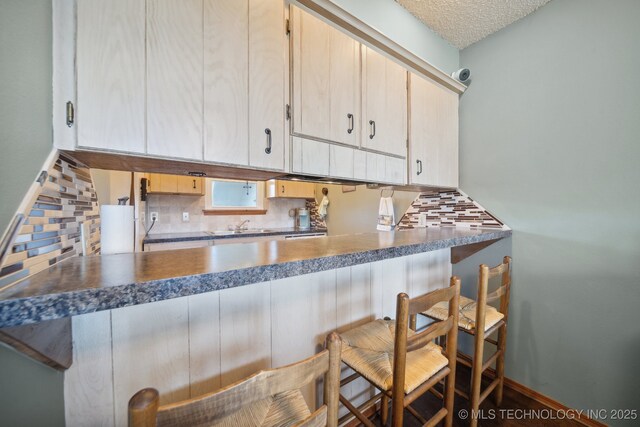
{"points": [[268, 149], [419, 162], [373, 129], [70, 114], [283, 189], [350, 117], [194, 184]]}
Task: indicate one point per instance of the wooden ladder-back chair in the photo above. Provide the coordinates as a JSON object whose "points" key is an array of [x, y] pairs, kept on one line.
{"points": [[268, 398], [402, 363], [481, 320]]}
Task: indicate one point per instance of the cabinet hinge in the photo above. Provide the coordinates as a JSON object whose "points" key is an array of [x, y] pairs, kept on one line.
{"points": [[288, 112], [288, 27], [70, 114]]}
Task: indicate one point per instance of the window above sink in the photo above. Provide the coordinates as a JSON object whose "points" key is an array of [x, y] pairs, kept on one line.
{"points": [[233, 197]]}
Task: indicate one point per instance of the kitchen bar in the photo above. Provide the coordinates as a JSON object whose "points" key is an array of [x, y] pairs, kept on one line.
{"points": [[87, 284]]}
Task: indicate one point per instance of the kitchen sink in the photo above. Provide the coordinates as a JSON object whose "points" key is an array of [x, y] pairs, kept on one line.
{"points": [[239, 232], [222, 232]]}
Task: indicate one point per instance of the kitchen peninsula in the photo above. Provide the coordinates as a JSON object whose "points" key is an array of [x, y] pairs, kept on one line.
{"points": [[190, 321], [87, 284]]}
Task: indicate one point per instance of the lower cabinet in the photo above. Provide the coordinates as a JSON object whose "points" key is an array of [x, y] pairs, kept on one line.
{"points": [[235, 240], [154, 247]]}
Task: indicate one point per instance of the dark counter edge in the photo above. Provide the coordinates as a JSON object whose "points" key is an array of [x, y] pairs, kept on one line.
{"points": [[30, 310]]}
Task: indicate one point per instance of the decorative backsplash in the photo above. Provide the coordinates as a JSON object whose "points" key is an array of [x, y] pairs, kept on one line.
{"points": [[170, 209], [51, 231], [448, 209], [314, 214]]}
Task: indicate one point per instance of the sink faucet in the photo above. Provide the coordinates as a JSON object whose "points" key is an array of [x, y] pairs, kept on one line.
{"points": [[240, 226]]}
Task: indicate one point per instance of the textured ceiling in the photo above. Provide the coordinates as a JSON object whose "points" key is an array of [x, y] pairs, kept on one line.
{"points": [[464, 22]]}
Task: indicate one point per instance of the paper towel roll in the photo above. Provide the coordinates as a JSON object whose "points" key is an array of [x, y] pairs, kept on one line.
{"points": [[116, 229]]}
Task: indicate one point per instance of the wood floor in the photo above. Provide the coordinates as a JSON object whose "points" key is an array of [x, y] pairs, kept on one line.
{"points": [[511, 413]]}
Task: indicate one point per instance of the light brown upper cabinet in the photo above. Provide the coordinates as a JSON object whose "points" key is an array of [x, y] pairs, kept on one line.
{"points": [[160, 183], [433, 136], [290, 189], [110, 43], [384, 102], [326, 80], [174, 78]]}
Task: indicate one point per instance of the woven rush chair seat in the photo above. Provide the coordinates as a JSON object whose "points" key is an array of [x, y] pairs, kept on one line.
{"points": [[267, 398], [402, 362], [284, 409], [467, 310], [368, 350], [481, 320]]}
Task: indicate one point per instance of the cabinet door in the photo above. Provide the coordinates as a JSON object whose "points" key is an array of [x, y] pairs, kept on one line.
{"points": [[345, 88], [311, 69], [266, 84], [341, 162], [300, 190], [376, 167], [384, 125], [189, 185], [294, 189], [226, 73], [174, 78], [434, 134], [162, 183], [394, 170], [310, 157], [359, 164], [326, 80], [111, 74]]}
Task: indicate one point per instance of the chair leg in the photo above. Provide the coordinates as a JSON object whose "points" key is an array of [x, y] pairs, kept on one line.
{"points": [[502, 347], [397, 411], [449, 390], [476, 379], [384, 409]]}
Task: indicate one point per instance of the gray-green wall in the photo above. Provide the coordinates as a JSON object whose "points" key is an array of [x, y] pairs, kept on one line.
{"points": [[550, 142], [30, 394], [25, 91], [399, 25]]}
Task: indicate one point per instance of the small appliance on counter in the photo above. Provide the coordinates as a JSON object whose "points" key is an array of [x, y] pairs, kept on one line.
{"points": [[302, 217]]}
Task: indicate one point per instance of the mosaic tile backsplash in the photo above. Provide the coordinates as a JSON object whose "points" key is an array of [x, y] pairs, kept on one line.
{"points": [[51, 231], [448, 209], [314, 214]]}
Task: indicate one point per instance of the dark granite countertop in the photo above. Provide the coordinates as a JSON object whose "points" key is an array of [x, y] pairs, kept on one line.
{"points": [[205, 235], [87, 284]]}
